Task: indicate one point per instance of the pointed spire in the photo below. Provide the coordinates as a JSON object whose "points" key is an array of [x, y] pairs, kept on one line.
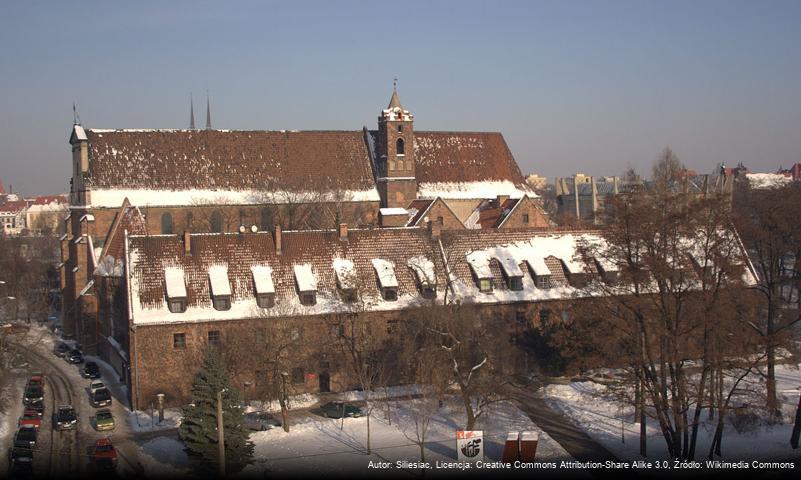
{"points": [[76, 120], [191, 113], [208, 112], [394, 102]]}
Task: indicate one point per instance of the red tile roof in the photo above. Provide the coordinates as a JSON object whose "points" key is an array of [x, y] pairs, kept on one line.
{"points": [[464, 157], [229, 160]]}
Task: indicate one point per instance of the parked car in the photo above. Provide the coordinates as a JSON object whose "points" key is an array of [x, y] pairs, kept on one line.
{"points": [[74, 356], [33, 394], [25, 437], [104, 420], [338, 409], [104, 454], [61, 349], [101, 398], [261, 421], [91, 370], [30, 418], [20, 462], [65, 418], [37, 407], [96, 385], [36, 380]]}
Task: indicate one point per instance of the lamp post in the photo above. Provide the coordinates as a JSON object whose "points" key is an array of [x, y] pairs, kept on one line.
{"points": [[282, 401], [245, 387], [220, 437]]}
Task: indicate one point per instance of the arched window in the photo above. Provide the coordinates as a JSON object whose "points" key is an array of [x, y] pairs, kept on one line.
{"points": [[216, 221], [166, 223], [399, 147]]}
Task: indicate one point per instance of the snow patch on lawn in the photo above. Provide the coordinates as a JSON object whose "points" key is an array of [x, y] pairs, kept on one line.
{"points": [[596, 410], [164, 457]]}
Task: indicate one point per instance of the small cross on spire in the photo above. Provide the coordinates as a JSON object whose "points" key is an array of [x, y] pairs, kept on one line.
{"points": [[395, 84]]}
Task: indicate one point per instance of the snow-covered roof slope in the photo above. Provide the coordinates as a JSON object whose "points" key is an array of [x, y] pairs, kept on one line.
{"points": [[218, 280], [472, 190], [305, 278], [479, 262], [263, 279], [174, 280], [345, 272], [767, 180], [423, 268], [386, 273]]}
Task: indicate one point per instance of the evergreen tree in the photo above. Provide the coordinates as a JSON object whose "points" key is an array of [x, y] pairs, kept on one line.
{"points": [[199, 424]]}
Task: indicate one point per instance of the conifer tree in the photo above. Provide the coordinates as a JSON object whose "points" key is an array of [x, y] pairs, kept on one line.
{"points": [[199, 424]]}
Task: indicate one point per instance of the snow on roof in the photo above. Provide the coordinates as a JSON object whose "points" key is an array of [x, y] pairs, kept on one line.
{"points": [[345, 272], [79, 132], [305, 278], [393, 211], [263, 279], [113, 198], [510, 266], [424, 269], [537, 264], [479, 262], [88, 217], [386, 273], [472, 190], [767, 180], [174, 280], [218, 278]]}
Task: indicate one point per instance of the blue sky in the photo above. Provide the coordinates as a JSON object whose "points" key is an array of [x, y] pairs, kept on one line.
{"points": [[574, 86]]}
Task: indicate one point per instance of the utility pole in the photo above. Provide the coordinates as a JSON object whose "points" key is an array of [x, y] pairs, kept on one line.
{"points": [[220, 436]]}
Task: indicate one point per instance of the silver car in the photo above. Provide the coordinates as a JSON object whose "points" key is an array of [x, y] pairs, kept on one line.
{"points": [[261, 421]]}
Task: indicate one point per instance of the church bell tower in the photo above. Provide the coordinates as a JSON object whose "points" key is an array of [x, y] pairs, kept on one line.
{"points": [[397, 182]]}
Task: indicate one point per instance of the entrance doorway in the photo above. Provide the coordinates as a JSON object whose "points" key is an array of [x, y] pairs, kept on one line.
{"points": [[325, 382]]}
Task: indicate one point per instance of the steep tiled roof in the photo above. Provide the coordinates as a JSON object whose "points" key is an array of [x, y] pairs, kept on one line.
{"points": [[464, 157], [150, 255], [228, 160], [128, 219]]}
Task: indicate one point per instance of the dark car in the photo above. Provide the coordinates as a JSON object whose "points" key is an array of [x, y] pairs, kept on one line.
{"points": [[37, 407], [20, 462], [91, 370], [340, 409], [101, 398], [61, 349], [65, 418], [25, 437], [261, 421], [75, 356], [33, 394]]}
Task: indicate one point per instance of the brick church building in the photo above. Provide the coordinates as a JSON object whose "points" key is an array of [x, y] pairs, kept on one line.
{"points": [[251, 202]]}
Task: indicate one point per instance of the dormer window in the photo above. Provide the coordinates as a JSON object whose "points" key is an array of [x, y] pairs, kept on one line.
{"points": [[306, 284], [479, 265], [609, 271], [263, 282], [387, 281], [176, 289], [399, 147], [423, 269], [346, 279], [511, 272], [220, 287], [540, 272]]}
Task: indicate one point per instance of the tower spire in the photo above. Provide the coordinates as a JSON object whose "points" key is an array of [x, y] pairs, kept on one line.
{"points": [[76, 120], [208, 112], [394, 102], [191, 112]]}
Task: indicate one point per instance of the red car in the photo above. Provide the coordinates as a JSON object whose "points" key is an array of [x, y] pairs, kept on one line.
{"points": [[30, 418], [37, 380], [104, 454]]}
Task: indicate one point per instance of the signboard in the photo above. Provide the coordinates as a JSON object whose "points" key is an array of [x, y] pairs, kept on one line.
{"points": [[469, 445]]}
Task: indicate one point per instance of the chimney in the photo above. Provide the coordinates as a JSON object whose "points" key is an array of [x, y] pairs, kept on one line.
{"points": [[187, 243], [501, 199], [434, 228], [277, 239], [343, 232]]}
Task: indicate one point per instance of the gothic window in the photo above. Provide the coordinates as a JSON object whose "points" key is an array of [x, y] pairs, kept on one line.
{"points": [[216, 222], [399, 147], [266, 219], [166, 223], [400, 127], [189, 220]]}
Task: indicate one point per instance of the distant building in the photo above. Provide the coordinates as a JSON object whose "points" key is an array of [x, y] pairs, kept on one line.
{"points": [[12, 217], [793, 172], [536, 182]]}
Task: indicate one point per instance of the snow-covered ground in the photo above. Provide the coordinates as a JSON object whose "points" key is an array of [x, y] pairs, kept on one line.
{"points": [[318, 445], [594, 408]]}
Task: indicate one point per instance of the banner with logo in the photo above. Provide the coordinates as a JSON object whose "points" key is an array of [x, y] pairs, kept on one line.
{"points": [[469, 445]]}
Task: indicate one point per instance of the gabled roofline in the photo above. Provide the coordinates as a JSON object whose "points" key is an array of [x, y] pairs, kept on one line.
{"points": [[519, 201]]}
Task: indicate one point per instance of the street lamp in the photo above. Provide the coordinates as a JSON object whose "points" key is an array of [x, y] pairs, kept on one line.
{"points": [[220, 436], [245, 386]]}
